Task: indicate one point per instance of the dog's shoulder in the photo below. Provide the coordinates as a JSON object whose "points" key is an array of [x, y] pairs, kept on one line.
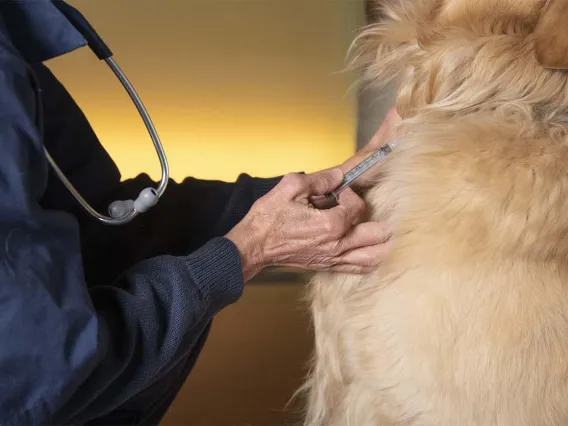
{"points": [[477, 187]]}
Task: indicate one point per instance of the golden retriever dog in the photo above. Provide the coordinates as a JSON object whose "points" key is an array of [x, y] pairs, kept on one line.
{"points": [[466, 322]]}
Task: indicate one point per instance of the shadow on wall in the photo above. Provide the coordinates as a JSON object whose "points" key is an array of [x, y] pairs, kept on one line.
{"points": [[373, 105]]}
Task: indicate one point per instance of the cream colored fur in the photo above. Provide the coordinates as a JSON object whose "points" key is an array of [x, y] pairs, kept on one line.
{"points": [[466, 323]]}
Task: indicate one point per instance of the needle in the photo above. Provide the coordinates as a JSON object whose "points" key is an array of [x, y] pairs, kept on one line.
{"points": [[330, 199]]}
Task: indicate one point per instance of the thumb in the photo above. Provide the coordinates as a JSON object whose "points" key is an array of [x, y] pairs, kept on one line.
{"points": [[321, 183]]}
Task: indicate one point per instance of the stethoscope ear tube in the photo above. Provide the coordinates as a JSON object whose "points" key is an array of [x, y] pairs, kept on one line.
{"points": [[95, 42], [121, 211]]}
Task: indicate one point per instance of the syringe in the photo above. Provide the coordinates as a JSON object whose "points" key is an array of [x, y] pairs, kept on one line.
{"points": [[330, 200]]}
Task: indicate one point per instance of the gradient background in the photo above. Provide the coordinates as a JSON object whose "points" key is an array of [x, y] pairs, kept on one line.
{"points": [[232, 86]]}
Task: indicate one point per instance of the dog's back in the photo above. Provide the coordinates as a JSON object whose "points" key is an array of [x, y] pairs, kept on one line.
{"points": [[466, 323]]}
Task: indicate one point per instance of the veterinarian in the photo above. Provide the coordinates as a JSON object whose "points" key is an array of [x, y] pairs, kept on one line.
{"points": [[101, 324]]}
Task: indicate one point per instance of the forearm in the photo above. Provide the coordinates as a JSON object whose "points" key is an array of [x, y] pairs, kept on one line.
{"points": [[207, 208], [150, 319], [189, 214], [73, 361]]}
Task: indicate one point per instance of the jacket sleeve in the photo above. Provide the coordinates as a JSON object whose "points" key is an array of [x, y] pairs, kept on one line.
{"points": [[72, 351]]}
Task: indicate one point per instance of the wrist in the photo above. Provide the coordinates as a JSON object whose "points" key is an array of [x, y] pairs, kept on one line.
{"points": [[250, 250]]}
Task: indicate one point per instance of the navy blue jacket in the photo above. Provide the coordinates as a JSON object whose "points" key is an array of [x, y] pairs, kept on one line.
{"points": [[98, 324]]}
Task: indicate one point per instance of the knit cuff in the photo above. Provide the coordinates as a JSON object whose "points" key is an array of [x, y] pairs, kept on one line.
{"points": [[217, 271]]}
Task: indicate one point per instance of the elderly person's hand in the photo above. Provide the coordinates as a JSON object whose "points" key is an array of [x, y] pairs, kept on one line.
{"points": [[282, 229], [382, 136]]}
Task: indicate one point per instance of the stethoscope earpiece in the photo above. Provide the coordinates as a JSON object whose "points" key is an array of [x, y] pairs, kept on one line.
{"points": [[148, 198], [120, 208]]}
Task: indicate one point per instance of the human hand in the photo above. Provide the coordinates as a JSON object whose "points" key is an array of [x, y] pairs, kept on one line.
{"points": [[282, 229], [381, 138]]}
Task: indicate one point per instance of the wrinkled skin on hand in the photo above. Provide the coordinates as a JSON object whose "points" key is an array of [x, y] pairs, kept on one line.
{"points": [[282, 229]]}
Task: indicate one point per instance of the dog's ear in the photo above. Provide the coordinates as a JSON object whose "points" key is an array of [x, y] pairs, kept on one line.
{"points": [[551, 35]]}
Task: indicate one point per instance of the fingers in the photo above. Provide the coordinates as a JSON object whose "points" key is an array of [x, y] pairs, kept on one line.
{"points": [[350, 208], [362, 260], [323, 202], [290, 186], [335, 222], [300, 187], [321, 183], [364, 235], [384, 132], [363, 249], [370, 256], [380, 139]]}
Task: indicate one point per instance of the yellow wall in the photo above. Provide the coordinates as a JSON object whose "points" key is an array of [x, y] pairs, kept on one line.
{"points": [[232, 85]]}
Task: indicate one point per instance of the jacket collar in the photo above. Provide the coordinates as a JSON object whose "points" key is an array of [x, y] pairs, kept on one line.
{"points": [[39, 30]]}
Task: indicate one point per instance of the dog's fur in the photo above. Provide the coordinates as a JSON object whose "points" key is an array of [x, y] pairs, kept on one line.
{"points": [[466, 322]]}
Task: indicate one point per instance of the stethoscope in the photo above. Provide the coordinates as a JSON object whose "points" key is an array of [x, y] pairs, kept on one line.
{"points": [[121, 211]]}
